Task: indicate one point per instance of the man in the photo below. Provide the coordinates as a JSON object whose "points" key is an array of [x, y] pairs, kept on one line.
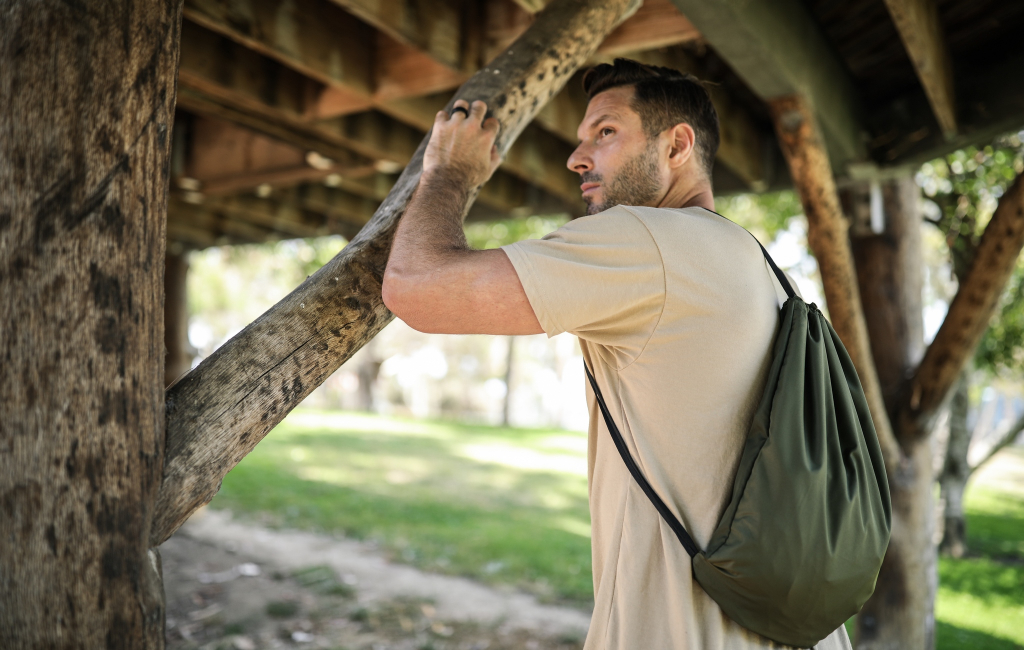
{"points": [[675, 309]]}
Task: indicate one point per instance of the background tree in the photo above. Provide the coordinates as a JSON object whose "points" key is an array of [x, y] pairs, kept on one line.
{"points": [[965, 187]]}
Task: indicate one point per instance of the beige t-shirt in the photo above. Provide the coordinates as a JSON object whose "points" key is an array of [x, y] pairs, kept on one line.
{"points": [[676, 311]]}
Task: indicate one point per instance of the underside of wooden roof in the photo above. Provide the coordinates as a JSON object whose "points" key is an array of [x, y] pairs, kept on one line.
{"points": [[295, 116]]}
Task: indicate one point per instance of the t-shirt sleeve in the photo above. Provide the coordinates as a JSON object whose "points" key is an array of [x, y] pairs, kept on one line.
{"points": [[600, 277]]}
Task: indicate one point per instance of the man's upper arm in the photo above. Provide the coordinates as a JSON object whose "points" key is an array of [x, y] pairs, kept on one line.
{"points": [[470, 292]]}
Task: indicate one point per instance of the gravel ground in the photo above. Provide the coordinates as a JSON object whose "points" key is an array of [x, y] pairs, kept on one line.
{"points": [[232, 585]]}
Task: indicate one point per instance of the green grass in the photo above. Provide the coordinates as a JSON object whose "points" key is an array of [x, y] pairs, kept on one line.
{"points": [[509, 506], [500, 505]]}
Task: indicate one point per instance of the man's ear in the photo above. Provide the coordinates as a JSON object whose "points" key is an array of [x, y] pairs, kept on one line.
{"points": [[682, 142]]}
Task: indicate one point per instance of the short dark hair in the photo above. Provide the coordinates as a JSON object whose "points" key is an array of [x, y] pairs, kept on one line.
{"points": [[663, 97]]}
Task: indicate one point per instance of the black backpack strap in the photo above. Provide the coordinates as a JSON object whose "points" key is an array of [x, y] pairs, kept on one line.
{"points": [[620, 444], [783, 280]]}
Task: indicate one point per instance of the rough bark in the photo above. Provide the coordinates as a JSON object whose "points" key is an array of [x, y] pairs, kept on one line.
{"points": [[968, 315], [827, 236], [955, 472], [87, 91], [218, 412], [178, 358], [890, 278], [900, 614]]}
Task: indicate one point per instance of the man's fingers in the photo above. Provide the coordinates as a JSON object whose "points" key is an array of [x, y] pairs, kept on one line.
{"points": [[477, 110], [492, 124]]}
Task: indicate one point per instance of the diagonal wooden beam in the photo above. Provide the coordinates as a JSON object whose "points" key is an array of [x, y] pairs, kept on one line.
{"points": [[218, 412], [920, 29], [970, 312]]}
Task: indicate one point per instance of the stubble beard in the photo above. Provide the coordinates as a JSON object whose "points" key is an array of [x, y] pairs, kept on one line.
{"points": [[637, 182]]}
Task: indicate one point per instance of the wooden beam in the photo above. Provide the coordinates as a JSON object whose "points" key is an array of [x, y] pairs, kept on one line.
{"points": [[828, 238], [218, 412], [210, 86], [920, 29], [434, 26], [656, 24], [905, 132], [402, 70], [777, 48], [313, 37]]}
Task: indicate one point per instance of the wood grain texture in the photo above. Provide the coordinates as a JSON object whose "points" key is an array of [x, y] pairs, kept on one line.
{"points": [[87, 91], [217, 413], [920, 29], [827, 236], [969, 313]]}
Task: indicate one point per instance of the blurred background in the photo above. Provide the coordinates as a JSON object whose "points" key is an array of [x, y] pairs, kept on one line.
{"points": [[466, 455]]}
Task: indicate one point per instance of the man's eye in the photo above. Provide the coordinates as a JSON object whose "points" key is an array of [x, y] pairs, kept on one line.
{"points": [[607, 131]]}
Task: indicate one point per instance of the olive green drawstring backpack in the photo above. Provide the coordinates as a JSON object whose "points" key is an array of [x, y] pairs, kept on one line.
{"points": [[799, 546]]}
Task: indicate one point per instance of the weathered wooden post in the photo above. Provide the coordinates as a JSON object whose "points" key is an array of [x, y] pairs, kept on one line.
{"points": [[218, 412], [87, 91]]}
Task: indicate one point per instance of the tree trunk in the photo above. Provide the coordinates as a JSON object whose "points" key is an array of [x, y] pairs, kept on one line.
{"points": [[506, 406], [218, 412], [900, 614], [87, 91], [178, 359], [955, 472], [889, 273]]}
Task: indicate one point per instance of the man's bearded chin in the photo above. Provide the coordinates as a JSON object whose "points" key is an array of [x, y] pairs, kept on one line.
{"points": [[637, 183]]}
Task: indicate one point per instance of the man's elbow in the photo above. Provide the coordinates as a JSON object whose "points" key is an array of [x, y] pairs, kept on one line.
{"points": [[402, 295]]}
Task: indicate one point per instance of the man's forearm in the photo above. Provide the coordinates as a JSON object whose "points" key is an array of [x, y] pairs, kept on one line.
{"points": [[430, 232]]}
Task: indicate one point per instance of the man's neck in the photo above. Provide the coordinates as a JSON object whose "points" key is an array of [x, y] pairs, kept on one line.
{"points": [[697, 195]]}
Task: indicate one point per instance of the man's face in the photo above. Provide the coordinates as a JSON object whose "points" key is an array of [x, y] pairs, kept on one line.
{"points": [[616, 162]]}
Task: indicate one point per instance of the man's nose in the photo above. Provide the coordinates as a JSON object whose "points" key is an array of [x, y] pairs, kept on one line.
{"points": [[579, 161]]}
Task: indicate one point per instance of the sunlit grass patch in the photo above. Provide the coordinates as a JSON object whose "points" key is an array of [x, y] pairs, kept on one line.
{"points": [[982, 596], [497, 504]]}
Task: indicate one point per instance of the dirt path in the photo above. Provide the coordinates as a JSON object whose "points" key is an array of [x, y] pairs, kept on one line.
{"points": [[237, 585]]}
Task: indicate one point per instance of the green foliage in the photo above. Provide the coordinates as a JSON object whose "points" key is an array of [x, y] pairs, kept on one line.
{"points": [[965, 187], [494, 234], [765, 215]]}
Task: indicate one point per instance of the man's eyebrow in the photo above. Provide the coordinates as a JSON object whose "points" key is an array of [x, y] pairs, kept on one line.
{"points": [[597, 120]]}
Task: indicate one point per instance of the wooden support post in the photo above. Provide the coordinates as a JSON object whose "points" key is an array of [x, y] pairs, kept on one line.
{"points": [[827, 235], [87, 91], [178, 359], [889, 262], [217, 413]]}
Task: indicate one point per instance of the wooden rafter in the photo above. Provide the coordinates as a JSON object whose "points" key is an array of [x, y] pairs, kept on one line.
{"points": [[920, 29], [217, 74]]}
